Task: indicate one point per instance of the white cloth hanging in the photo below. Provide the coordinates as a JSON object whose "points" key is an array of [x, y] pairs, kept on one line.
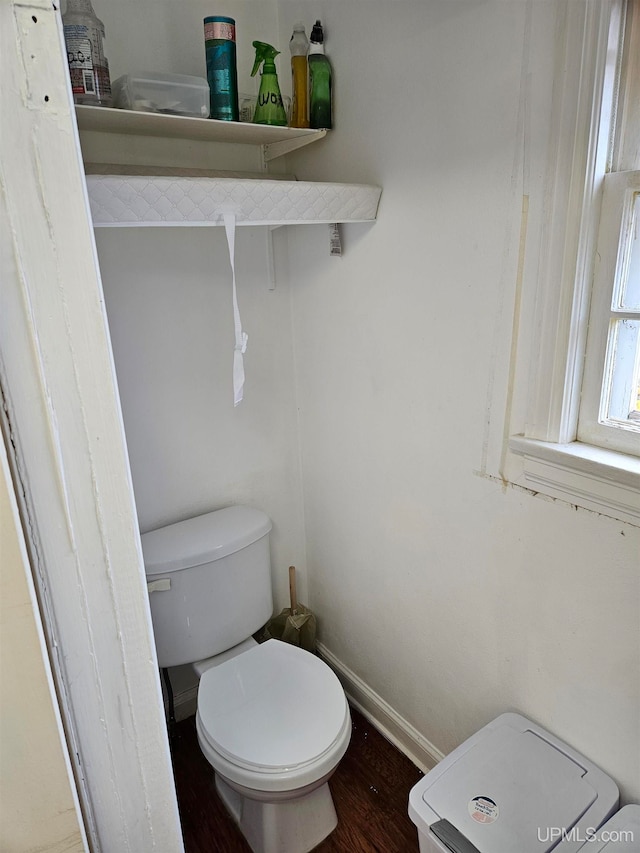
{"points": [[241, 337]]}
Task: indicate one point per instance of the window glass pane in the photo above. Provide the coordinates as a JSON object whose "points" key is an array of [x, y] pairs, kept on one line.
{"points": [[622, 381], [628, 292]]}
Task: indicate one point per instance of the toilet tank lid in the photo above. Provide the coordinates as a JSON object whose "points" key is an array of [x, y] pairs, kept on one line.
{"points": [[203, 539]]}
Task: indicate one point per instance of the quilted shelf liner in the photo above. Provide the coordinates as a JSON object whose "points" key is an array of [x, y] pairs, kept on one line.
{"points": [[134, 200]]}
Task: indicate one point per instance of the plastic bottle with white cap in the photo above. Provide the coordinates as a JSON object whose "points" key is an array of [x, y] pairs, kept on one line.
{"points": [[88, 66]]}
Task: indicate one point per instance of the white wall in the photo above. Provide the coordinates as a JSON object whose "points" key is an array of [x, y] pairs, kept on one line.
{"points": [[452, 596], [168, 297]]}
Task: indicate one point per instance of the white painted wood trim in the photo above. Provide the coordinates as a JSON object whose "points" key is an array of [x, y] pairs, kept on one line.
{"points": [[578, 158], [579, 474], [64, 426], [388, 722], [546, 458]]}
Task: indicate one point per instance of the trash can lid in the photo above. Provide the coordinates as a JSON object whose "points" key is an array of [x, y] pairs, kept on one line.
{"points": [[512, 786], [620, 834]]}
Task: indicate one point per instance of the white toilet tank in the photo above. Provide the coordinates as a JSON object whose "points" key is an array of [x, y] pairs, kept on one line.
{"points": [[209, 582]]}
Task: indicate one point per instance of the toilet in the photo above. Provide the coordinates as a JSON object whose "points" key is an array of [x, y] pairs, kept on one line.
{"points": [[272, 719]]}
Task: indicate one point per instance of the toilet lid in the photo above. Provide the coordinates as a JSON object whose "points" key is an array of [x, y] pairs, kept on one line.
{"points": [[274, 707]]}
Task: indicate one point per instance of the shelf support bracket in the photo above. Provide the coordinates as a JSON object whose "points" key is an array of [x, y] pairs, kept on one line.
{"points": [[272, 150]]}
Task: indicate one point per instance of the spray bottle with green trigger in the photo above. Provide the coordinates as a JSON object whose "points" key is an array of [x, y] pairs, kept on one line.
{"points": [[269, 109]]}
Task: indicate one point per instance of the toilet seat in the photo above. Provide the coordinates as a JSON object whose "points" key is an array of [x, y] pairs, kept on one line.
{"points": [[273, 718]]}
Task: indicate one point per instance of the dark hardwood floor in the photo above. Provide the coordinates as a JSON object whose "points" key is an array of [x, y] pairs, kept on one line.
{"points": [[370, 789]]}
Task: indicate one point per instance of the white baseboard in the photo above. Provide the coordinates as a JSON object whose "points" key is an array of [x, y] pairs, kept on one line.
{"points": [[388, 722]]}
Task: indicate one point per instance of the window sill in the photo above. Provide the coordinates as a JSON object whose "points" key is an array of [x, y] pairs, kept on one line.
{"points": [[600, 480]]}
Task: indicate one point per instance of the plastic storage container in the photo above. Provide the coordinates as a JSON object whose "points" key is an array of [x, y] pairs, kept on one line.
{"points": [[511, 787], [620, 834], [174, 94]]}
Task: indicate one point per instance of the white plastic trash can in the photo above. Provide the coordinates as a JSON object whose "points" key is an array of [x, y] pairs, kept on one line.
{"points": [[511, 788], [620, 834]]}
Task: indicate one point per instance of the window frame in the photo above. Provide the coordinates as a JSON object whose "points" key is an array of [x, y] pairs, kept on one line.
{"points": [[620, 194], [543, 453]]}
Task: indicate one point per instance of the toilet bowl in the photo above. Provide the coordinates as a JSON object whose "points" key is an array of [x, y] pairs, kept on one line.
{"points": [[272, 719], [273, 722]]}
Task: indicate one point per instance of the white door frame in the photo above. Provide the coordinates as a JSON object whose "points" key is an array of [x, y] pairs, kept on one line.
{"points": [[63, 425]]}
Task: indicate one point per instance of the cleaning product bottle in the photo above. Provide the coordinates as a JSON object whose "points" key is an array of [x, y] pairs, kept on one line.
{"points": [[88, 66], [319, 81], [269, 109], [222, 75], [299, 47]]}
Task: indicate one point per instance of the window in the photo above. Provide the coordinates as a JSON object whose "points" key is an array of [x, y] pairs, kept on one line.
{"points": [[610, 406], [579, 439]]}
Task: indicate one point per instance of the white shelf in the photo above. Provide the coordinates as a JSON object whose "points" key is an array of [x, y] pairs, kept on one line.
{"points": [[275, 140], [146, 200], [170, 198]]}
